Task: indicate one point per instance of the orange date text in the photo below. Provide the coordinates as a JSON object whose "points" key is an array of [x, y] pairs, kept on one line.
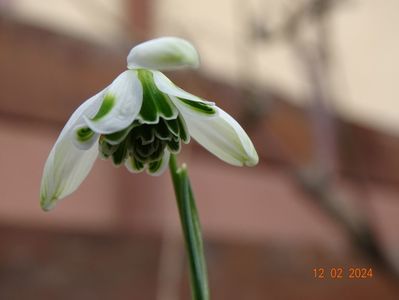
{"points": [[342, 273]]}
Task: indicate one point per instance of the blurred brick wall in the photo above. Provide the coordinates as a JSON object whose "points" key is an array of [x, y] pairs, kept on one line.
{"points": [[44, 77]]}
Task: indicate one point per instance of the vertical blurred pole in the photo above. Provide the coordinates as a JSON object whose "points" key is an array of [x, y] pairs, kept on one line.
{"points": [[247, 62], [141, 14], [312, 51]]}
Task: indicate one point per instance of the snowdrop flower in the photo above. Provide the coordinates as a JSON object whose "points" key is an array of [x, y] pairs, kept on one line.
{"points": [[138, 120]]}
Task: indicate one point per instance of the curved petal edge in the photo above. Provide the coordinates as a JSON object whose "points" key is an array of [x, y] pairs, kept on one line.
{"points": [[166, 53]]}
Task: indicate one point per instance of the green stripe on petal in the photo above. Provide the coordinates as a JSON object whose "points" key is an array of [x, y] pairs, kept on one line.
{"points": [[155, 103], [106, 107], [199, 107]]}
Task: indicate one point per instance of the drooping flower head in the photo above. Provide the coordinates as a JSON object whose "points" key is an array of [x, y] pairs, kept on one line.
{"points": [[139, 119]]}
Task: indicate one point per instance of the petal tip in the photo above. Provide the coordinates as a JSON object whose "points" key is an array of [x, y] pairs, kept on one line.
{"points": [[252, 161], [47, 203]]}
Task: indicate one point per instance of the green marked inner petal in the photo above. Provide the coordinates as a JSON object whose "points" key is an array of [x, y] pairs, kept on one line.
{"points": [[106, 106], [119, 156], [183, 131], [135, 164], [174, 146], [199, 107], [162, 131], [153, 167], [148, 113], [173, 126]]}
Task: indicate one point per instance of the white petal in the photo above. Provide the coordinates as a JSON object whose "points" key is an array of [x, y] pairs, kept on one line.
{"points": [[121, 104], [166, 53], [67, 166], [224, 137], [166, 86]]}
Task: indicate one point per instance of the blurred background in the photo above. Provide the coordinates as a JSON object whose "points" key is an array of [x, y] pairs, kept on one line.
{"points": [[313, 82]]}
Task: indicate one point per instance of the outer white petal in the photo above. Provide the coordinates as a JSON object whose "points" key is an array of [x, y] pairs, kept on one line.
{"points": [[224, 137], [166, 53], [168, 87], [126, 97], [67, 166]]}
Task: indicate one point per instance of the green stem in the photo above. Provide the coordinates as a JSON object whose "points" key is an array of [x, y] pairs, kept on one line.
{"points": [[191, 230]]}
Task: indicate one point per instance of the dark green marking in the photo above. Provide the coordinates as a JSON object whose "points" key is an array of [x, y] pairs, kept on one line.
{"points": [[136, 164], [173, 126], [155, 103], [154, 166], [162, 131], [174, 145], [119, 156], [106, 106], [183, 132], [84, 134], [119, 136], [200, 107], [144, 132]]}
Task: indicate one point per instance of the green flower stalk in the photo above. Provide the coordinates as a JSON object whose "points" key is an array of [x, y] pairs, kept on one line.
{"points": [[140, 120]]}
